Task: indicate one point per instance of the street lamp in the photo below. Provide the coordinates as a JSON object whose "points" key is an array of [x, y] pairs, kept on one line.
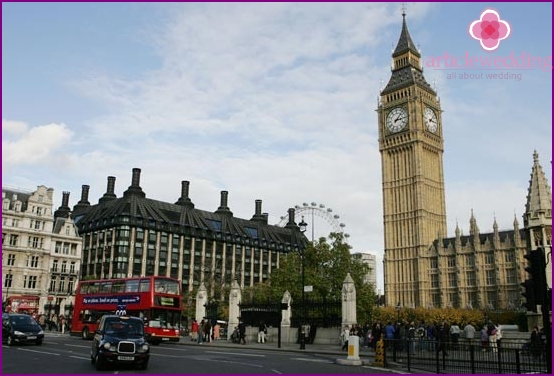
{"points": [[302, 226], [7, 283], [398, 308]]}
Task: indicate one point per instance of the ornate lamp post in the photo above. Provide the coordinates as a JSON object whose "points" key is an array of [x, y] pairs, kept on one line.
{"points": [[302, 225]]}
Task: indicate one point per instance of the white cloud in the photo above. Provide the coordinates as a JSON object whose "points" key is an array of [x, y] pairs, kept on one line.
{"points": [[22, 145]]}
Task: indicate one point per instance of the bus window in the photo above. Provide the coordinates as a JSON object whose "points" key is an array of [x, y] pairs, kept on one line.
{"points": [[144, 285], [84, 288], [132, 285], [118, 286], [93, 287], [106, 287]]}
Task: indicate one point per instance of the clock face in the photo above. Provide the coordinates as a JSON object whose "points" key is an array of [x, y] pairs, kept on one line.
{"points": [[431, 122], [397, 119]]}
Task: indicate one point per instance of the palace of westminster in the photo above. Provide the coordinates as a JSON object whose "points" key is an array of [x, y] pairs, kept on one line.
{"points": [[44, 252]]}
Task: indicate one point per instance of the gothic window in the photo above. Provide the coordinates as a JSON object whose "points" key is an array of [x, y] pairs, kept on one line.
{"points": [[489, 258], [510, 256], [11, 259], [490, 278], [451, 262], [452, 279]]}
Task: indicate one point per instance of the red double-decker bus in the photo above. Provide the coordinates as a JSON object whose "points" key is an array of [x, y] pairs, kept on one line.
{"points": [[157, 300]]}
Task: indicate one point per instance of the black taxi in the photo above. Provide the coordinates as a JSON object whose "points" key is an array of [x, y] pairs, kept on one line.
{"points": [[120, 339]]}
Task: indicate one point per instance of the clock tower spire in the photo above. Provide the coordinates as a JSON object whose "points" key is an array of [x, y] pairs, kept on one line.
{"points": [[411, 146]]}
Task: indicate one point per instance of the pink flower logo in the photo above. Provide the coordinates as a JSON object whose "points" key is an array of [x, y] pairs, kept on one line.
{"points": [[489, 29]]}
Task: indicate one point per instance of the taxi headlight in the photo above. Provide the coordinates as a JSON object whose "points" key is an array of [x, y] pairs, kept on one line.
{"points": [[143, 348], [41, 332], [108, 346], [18, 333]]}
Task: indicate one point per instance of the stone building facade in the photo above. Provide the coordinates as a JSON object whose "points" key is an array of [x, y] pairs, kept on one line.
{"points": [[41, 252], [134, 235], [422, 268]]}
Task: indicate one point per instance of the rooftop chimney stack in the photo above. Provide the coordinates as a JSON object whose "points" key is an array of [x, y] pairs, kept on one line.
{"points": [[109, 195], [258, 216], [63, 210], [184, 200], [83, 203], [135, 189], [223, 208]]}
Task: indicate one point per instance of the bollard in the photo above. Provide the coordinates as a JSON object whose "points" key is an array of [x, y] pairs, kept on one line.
{"points": [[353, 358], [379, 354]]}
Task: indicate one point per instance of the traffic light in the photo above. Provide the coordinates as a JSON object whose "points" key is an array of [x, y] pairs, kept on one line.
{"points": [[535, 287], [529, 295]]}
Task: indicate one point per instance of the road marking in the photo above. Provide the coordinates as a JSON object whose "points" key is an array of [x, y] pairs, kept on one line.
{"points": [[233, 353], [83, 346], [40, 352], [275, 371], [229, 361], [167, 356], [387, 369], [79, 357], [313, 360]]}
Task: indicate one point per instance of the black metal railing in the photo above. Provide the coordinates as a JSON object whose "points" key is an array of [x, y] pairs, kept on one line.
{"points": [[466, 357]]}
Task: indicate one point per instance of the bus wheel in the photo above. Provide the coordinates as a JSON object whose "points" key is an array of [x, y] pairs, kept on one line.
{"points": [[85, 334]]}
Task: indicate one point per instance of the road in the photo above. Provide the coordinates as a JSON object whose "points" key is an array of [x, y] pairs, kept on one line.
{"points": [[70, 355]]}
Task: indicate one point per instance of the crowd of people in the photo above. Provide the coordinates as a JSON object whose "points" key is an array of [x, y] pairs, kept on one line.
{"points": [[433, 336]]}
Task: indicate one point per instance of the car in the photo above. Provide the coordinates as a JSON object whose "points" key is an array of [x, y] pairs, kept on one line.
{"points": [[19, 328], [120, 339]]}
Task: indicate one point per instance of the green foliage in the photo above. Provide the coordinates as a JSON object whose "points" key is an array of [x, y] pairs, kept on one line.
{"points": [[327, 263]]}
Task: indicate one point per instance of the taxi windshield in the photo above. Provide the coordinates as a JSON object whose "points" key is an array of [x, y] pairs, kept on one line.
{"points": [[122, 327]]}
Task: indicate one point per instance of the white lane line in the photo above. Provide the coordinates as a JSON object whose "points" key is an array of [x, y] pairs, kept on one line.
{"points": [[275, 371], [233, 353], [313, 360], [83, 346], [167, 356], [40, 352], [79, 357], [230, 362], [387, 369]]}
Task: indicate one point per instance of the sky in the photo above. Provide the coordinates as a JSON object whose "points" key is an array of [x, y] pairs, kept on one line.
{"points": [[270, 101]]}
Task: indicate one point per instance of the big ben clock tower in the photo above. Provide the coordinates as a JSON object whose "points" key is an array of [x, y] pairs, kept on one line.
{"points": [[411, 145]]}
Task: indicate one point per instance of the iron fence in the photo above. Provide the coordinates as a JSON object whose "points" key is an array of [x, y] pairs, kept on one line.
{"points": [[466, 357], [322, 313]]}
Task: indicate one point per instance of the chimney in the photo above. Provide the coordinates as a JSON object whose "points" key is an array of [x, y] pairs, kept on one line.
{"points": [[291, 223], [83, 203], [109, 195], [63, 210], [135, 189], [184, 200], [223, 208], [258, 216]]}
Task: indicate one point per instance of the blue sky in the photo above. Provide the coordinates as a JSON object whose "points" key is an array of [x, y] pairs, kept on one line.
{"points": [[271, 101]]}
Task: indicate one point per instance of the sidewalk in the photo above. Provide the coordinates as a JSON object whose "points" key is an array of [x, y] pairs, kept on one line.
{"points": [[330, 349]]}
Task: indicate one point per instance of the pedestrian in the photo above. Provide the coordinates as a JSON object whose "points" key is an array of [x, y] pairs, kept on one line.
{"points": [[491, 331], [194, 330], [376, 333], [344, 337], [216, 330], [411, 338], [242, 332], [484, 338], [389, 335], [454, 335], [207, 328], [62, 323], [442, 338], [262, 331], [200, 332], [536, 344], [469, 333], [498, 335]]}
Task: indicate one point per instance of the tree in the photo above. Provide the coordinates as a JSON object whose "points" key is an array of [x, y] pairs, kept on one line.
{"points": [[327, 262]]}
